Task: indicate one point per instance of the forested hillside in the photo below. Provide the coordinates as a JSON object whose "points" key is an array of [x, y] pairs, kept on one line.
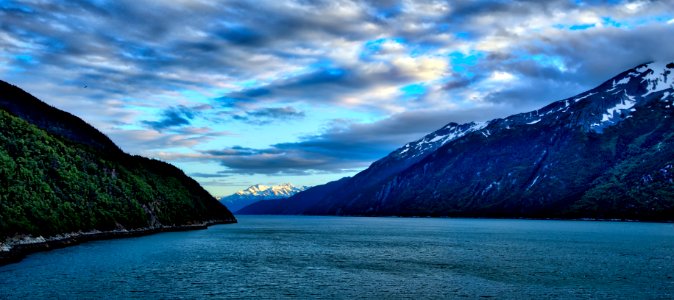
{"points": [[52, 183]]}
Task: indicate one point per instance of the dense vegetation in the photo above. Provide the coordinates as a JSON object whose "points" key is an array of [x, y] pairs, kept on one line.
{"points": [[51, 185], [641, 184]]}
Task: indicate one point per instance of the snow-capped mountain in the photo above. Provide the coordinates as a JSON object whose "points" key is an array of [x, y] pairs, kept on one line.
{"points": [[259, 192], [605, 153], [609, 103], [270, 191], [436, 139]]}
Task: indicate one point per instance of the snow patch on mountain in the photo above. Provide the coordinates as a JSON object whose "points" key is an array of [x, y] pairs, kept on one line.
{"points": [[623, 105], [583, 97], [658, 78], [621, 81], [437, 138]]}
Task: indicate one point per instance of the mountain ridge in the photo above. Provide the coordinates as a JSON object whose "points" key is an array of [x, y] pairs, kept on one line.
{"points": [[259, 192], [53, 120], [444, 183]]}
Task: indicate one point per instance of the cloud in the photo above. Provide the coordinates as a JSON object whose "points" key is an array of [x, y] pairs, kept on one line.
{"points": [[358, 85], [571, 63], [458, 83], [396, 69], [339, 52], [172, 117], [344, 146], [269, 115], [324, 82], [186, 137], [210, 175]]}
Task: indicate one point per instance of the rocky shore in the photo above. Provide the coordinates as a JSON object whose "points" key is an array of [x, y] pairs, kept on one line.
{"points": [[15, 249]]}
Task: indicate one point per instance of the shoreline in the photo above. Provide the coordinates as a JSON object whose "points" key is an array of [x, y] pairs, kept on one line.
{"points": [[473, 217], [17, 252]]}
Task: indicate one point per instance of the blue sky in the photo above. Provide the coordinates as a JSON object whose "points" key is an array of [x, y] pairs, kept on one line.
{"points": [[244, 92]]}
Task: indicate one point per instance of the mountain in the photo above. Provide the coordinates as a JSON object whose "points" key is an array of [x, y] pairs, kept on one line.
{"points": [[295, 205], [393, 163], [259, 192], [59, 175], [605, 153]]}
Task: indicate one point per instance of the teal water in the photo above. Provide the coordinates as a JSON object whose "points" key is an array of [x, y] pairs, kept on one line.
{"points": [[340, 257]]}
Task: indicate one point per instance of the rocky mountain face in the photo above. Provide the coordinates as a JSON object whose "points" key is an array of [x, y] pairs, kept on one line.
{"points": [[259, 192], [606, 153], [59, 175]]}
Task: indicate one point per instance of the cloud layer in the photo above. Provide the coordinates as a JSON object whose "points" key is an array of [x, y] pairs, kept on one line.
{"points": [[313, 87]]}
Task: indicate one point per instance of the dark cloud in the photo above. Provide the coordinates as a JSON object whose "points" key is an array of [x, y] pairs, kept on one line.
{"points": [[173, 117], [210, 175], [239, 151], [240, 35], [595, 56], [460, 82], [344, 146], [269, 115], [276, 113], [587, 59], [319, 85]]}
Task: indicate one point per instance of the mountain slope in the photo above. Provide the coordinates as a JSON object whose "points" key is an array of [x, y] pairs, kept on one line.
{"points": [[259, 192], [604, 153], [60, 175], [320, 198]]}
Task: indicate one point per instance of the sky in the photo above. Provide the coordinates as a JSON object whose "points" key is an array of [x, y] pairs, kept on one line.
{"points": [[237, 93]]}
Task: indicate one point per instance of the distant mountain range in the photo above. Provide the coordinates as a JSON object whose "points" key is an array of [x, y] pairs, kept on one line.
{"points": [[259, 192], [60, 176], [605, 153]]}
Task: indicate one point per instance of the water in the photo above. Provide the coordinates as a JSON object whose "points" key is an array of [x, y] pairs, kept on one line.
{"points": [[338, 257]]}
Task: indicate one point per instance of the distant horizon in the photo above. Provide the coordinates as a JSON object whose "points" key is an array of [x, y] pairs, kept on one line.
{"points": [[272, 92]]}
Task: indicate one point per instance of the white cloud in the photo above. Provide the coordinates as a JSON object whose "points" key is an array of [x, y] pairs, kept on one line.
{"points": [[501, 76], [633, 7], [421, 68]]}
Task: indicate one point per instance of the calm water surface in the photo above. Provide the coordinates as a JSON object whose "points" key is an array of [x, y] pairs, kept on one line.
{"points": [[339, 257]]}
